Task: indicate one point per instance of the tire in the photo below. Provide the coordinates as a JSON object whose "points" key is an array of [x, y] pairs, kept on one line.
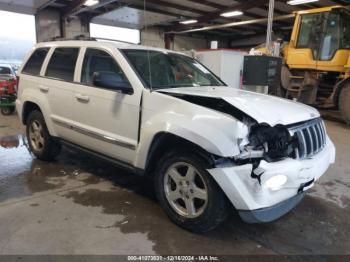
{"points": [[40, 142], [8, 110], [344, 103], [285, 81], [206, 214]]}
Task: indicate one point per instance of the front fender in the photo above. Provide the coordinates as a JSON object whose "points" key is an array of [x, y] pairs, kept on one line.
{"points": [[216, 133]]}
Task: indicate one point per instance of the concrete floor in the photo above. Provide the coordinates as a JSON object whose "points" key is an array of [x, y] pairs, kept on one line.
{"points": [[80, 205]]}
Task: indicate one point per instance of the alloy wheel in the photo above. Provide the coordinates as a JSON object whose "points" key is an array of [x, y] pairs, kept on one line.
{"points": [[36, 136], [185, 190]]}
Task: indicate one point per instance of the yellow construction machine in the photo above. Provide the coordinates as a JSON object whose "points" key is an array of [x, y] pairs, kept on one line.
{"points": [[316, 68]]}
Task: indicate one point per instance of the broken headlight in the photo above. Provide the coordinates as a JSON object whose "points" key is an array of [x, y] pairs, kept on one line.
{"points": [[275, 142]]}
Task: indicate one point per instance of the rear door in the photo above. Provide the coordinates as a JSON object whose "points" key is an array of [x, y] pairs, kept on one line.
{"points": [[107, 120], [31, 71], [58, 85]]}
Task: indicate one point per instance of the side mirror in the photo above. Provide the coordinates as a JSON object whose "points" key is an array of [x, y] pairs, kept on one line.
{"points": [[112, 81]]}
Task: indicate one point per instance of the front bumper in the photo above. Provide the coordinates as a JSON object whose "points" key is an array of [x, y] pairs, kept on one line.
{"points": [[257, 203], [272, 213]]}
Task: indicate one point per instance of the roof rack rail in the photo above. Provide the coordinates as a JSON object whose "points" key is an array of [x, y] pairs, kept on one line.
{"points": [[86, 38], [114, 40], [78, 37]]}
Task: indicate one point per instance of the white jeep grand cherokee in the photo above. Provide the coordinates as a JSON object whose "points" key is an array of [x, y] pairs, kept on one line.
{"points": [[162, 114]]}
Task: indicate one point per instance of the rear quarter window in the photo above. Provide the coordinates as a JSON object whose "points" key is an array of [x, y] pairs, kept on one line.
{"points": [[35, 62], [62, 63]]}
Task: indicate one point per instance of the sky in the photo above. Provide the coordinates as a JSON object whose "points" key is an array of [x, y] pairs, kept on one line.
{"points": [[115, 33], [17, 26], [17, 36]]}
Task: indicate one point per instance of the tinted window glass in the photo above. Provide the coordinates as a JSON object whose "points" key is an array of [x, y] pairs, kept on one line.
{"points": [[35, 62], [332, 37], [5, 70], [62, 63], [310, 32], [96, 61], [169, 70], [345, 39]]}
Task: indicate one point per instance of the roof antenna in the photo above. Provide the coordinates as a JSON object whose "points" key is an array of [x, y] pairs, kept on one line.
{"points": [[148, 51]]}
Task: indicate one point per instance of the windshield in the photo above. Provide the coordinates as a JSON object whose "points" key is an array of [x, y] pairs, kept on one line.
{"points": [[5, 70], [160, 70]]}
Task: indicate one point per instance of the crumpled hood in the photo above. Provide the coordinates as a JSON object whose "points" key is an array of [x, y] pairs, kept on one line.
{"points": [[263, 108]]}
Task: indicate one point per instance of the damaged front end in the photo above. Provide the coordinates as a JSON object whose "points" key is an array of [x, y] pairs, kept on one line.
{"points": [[276, 165], [269, 143]]}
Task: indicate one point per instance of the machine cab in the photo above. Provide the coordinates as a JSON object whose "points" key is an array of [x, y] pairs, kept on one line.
{"points": [[320, 39]]}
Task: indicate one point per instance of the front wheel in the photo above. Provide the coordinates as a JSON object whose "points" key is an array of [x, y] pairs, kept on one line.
{"points": [[344, 103], [40, 142], [188, 193]]}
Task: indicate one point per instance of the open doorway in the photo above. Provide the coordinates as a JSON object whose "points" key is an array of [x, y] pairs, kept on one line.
{"points": [[115, 33], [17, 37]]}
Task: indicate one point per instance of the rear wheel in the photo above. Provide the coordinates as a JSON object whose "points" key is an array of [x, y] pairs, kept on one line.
{"points": [[7, 110], [188, 193], [344, 103], [40, 142]]}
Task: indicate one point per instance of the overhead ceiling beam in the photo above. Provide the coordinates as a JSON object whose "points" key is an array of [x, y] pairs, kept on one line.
{"points": [[162, 4], [243, 6], [209, 3], [340, 2], [77, 7], [222, 7], [233, 24], [73, 6], [176, 6], [48, 3]]}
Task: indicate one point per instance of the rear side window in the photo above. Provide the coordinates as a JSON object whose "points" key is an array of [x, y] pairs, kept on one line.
{"points": [[33, 66], [62, 64]]}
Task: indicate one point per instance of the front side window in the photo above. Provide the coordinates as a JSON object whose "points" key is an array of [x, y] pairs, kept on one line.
{"points": [[35, 62], [98, 61], [168, 70], [62, 64]]}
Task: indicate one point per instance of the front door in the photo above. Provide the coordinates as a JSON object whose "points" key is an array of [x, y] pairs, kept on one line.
{"points": [[107, 121]]}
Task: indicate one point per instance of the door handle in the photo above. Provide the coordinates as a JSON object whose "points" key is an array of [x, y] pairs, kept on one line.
{"points": [[44, 89], [82, 98]]}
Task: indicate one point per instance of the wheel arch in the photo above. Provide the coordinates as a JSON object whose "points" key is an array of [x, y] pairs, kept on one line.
{"points": [[28, 107], [164, 141]]}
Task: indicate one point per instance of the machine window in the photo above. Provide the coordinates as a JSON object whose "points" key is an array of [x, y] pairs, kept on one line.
{"points": [[331, 38], [96, 61], [345, 39], [310, 32], [35, 62], [62, 64]]}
